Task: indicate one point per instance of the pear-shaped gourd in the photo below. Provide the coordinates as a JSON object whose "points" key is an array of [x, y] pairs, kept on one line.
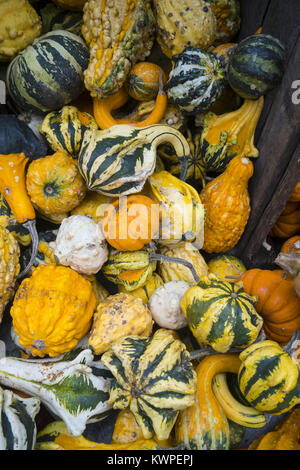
{"points": [[223, 137], [227, 206], [117, 161], [73, 387]]}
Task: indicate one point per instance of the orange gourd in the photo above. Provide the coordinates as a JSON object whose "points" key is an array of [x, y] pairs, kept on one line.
{"points": [[295, 196], [131, 222], [225, 49], [277, 302], [288, 223], [104, 106], [143, 81], [227, 205], [13, 188], [292, 245]]}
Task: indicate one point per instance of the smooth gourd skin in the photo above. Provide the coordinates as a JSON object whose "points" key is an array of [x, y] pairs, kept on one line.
{"points": [[154, 379], [52, 310], [119, 34], [227, 205], [292, 245], [204, 426], [269, 378], [54, 184], [277, 302], [221, 314], [117, 316], [226, 267]]}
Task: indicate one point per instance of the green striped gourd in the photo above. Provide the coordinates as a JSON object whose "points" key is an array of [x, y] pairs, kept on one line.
{"points": [[269, 377], [154, 378], [117, 161], [54, 18], [17, 423], [73, 386], [49, 73], [256, 66], [64, 129], [221, 314], [196, 81]]}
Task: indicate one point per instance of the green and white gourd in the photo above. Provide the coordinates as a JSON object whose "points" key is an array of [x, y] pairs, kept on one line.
{"points": [[17, 421], [74, 387], [49, 73], [196, 81], [117, 161], [54, 18]]}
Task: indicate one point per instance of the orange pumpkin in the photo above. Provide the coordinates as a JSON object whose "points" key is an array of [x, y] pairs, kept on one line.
{"points": [[288, 223], [292, 245], [277, 302], [131, 222], [295, 196]]}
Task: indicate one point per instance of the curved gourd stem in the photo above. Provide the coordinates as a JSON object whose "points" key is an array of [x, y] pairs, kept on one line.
{"points": [[31, 227], [172, 259]]}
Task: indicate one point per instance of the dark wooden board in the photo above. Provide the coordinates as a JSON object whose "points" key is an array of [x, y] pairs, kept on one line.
{"points": [[278, 133]]}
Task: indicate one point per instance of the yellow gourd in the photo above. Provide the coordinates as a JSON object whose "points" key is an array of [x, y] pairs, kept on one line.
{"points": [[227, 205]]}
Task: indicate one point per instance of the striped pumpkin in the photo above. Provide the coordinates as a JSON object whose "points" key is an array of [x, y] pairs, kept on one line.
{"points": [[154, 378], [221, 314], [49, 73], [269, 378], [64, 129], [117, 161], [17, 423], [196, 81], [256, 66]]}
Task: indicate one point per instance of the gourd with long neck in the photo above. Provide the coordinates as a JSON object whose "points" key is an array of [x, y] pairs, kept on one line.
{"points": [[227, 204], [13, 188]]}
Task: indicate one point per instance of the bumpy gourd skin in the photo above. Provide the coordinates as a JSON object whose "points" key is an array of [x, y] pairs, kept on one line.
{"points": [[9, 267], [227, 205], [119, 33], [52, 310], [19, 26]]}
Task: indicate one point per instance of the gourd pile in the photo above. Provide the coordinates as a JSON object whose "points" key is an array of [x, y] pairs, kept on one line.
{"points": [[124, 185]]}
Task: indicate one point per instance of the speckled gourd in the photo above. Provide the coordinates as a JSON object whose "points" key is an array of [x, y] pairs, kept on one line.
{"points": [[9, 267]]}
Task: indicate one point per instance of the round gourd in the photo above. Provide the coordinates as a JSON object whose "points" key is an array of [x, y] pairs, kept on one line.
{"points": [[54, 18], [48, 74], [256, 66], [153, 378], [143, 81], [221, 314], [93, 205], [54, 184], [292, 245], [52, 310], [144, 293], [226, 267], [196, 80], [131, 222], [117, 316]]}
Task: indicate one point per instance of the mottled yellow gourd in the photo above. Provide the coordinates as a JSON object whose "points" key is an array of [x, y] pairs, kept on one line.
{"points": [[144, 293], [9, 267], [227, 205]]}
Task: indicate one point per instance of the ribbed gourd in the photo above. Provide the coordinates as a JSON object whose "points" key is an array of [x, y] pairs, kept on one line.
{"points": [[52, 310], [181, 210], [153, 378], [184, 23], [196, 80], [17, 425], [227, 205], [117, 316], [117, 161], [231, 134], [269, 377], [19, 26], [9, 267], [48, 74], [119, 34], [144, 293], [64, 129], [221, 314]]}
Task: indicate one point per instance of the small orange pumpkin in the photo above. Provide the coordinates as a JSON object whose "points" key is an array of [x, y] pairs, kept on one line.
{"points": [[292, 245], [277, 302], [288, 223], [143, 81], [131, 222], [295, 196]]}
